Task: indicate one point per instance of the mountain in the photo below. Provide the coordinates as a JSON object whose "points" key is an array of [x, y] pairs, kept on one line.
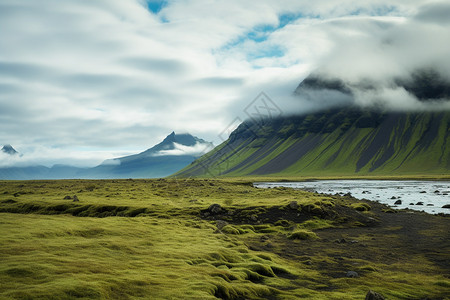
{"points": [[8, 149], [174, 153], [342, 140]]}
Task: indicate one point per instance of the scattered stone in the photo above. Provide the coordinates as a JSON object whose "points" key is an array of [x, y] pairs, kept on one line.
{"points": [[341, 241], [371, 295], [398, 202], [293, 205], [221, 224], [429, 204], [419, 203], [67, 198], [75, 198], [411, 203], [393, 197], [352, 274], [423, 192], [436, 192], [446, 206], [215, 209], [348, 195], [445, 194]]}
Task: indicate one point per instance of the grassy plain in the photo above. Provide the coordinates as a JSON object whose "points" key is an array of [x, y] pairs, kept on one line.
{"points": [[157, 239]]}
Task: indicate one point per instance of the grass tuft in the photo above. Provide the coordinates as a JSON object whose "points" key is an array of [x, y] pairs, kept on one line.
{"points": [[302, 234]]}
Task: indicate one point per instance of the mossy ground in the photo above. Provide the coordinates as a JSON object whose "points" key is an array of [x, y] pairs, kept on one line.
{"points": [[152, 239]]}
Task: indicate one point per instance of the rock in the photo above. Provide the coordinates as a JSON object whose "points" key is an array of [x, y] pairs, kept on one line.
{"points": [[75, 198], [419, 203], [398, 202], [436, 192], [352, 274], [293, 205], [446, 206], [67, 198], [341, 241], [423, 192], [215, 209], [348, 194], [221, 224], [411, 203], [393, 197], [429, 204], [371, 295]]}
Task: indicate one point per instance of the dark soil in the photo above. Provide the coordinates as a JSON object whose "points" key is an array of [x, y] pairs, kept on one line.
{"points": [[391, 239], [382, 236]]}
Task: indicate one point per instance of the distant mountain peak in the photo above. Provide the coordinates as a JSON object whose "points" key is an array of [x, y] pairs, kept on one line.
{"points": [[169, 143], [8, 149]]}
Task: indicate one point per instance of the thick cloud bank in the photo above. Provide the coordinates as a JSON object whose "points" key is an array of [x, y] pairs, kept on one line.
{"points": [[84, 79], [395, 63]]}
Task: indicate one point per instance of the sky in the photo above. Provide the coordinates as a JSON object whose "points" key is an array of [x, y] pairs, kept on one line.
{"points": [[83, 81]]}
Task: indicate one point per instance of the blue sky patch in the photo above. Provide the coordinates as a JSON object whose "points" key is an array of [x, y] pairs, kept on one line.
{"points": [[269, 51], [155, 6]]}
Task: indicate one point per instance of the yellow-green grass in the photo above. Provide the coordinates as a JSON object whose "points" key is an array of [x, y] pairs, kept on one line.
{"points": [[146, 239]]}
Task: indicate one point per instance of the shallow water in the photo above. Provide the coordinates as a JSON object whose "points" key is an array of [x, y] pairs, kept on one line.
{"points": [[433, 194]]}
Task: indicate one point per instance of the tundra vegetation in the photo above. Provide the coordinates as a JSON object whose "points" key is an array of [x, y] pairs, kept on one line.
{"points": [[209, 239]]}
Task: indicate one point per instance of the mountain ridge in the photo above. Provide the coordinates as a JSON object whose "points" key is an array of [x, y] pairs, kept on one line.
{"points": [[339, 141]]}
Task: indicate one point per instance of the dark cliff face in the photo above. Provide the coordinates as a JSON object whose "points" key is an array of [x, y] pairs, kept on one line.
{"points": [[425, 85]]}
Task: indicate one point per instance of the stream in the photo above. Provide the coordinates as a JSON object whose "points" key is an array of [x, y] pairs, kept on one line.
{"points": [[428, 196]]}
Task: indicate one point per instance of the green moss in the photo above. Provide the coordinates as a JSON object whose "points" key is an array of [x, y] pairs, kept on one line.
{"points": [[283, 223], [316, 223], [148, 240], [230, 229], [443, 283], [360, 206], [302, 234]]}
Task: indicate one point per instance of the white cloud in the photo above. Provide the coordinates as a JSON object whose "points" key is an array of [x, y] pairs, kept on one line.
{"points": [[197, 150], [110, 74]]}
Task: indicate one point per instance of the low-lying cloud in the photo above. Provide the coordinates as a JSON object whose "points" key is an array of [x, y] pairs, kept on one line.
{"points": [[197, 150], [42, 156]]}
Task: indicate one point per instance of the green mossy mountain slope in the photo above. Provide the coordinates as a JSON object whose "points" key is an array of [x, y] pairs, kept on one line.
{"points": [[346, 141]]}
